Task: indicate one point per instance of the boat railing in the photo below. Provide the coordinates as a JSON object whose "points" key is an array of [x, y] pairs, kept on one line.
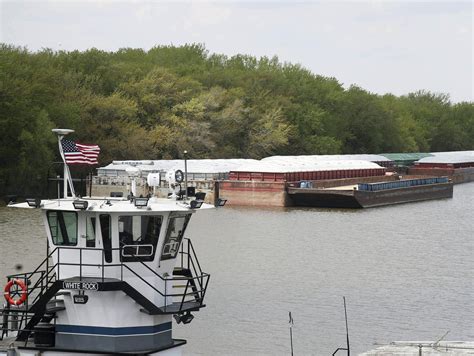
{"points": [[193, 280]]}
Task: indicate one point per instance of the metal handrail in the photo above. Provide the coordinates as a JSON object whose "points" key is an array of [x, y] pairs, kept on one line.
{"points": [[49, 275], [190, 244], [41, 279]]}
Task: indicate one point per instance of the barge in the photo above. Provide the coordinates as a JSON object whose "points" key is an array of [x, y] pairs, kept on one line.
{"points": [[368, 195]]}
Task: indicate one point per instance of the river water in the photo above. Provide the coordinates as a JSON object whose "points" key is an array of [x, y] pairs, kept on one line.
{"points": [[407, 273]]}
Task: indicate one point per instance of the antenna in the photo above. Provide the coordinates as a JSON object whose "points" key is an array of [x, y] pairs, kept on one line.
{"points": [[185, 153], [347, 348], [291, 331], [347, 328]]}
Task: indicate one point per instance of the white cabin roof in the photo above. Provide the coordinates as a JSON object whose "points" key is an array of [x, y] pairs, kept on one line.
{"points": [[100, 204]]}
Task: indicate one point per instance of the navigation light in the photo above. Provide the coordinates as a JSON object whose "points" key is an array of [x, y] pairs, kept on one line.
{"points": [[80, 204]]}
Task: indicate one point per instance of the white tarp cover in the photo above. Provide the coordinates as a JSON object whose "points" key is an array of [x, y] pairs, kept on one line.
{"points": [[449, 157], [303, 165], [208, 166], [357, 157]]}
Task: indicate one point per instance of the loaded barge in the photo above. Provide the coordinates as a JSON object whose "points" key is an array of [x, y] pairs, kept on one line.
{"points": [[310, 181], [368, 195]]}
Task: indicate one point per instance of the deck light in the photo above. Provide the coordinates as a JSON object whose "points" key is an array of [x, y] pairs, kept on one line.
{"points": [[141, 202], [196, 204], [200, 196], [184, 318], [80, 204], [221, 202], [34, 202]]}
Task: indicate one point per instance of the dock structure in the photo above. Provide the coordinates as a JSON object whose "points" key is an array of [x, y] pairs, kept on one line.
{"points": [[423, 348]]}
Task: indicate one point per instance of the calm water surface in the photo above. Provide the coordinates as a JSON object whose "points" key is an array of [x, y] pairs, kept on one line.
{"points": [[406, 272]]}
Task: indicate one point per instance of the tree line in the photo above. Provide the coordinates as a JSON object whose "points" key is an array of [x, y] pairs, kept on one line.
{"points": [[155, 104]]}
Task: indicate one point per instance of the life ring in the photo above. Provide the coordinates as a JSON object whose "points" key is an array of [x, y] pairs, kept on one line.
{"points": [[179, 176], [24, 292]]}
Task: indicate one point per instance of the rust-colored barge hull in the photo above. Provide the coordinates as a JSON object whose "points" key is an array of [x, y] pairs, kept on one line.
{"points": [[338, 198]]}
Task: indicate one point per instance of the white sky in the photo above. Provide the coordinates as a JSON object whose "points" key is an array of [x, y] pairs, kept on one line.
{"points": [[382, 46]]}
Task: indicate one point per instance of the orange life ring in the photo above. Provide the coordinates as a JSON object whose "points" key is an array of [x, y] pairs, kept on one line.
{"points": [[24, 292]]}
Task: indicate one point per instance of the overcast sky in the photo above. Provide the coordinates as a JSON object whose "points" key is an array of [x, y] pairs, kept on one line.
{"points": [[382, 46]]}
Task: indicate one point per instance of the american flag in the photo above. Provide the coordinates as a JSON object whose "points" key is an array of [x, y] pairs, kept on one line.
{"points": [[77, 153]]}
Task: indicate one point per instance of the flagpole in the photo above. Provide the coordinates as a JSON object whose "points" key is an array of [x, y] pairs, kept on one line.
{"points": [[67, 174], [291, 332]]}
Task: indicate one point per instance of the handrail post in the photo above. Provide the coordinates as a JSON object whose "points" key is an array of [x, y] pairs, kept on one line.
{"points": [[121, 270], [205, 289], [80, 263], [166, 293], [184, 296], [42, 285], [47, 261], [59, 262], [103, 256], [189, 254]]}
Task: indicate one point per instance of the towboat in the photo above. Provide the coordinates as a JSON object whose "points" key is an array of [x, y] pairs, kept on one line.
{"points": [[118, 273]]}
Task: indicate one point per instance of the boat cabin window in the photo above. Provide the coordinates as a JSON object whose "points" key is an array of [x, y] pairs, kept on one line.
{"points": [[63, 227], [105, 230], [138, 235], [90, 232], [174, 235]]}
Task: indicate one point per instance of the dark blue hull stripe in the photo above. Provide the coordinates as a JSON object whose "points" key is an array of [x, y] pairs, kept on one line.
{"points": [[100, 330]]}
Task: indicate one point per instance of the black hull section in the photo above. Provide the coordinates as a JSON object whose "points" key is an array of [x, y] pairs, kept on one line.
{"points": [[326, 200], [354, 199]]}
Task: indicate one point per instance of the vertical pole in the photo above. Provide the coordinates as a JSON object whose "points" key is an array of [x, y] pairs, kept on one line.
{"points": [[189, 256], [59, 262], [67, 174], [347, 329], [59, 190], [291, 332], [66, 179], [186, 175], [291, 340], [166, 291], [80, 263], [47, 262], [90, 185]]}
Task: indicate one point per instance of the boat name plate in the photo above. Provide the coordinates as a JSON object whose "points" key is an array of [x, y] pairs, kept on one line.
{"points": [[81, 285]]}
